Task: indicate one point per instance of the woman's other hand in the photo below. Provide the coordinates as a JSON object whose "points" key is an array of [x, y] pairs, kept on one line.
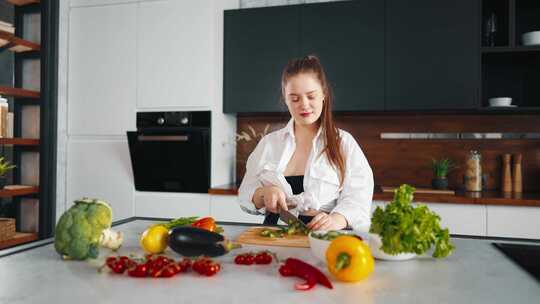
{"points": [[325, 221], [270, 197]]}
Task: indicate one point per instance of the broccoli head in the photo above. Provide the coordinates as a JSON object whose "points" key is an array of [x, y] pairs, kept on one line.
{"points": [[83, 228]]}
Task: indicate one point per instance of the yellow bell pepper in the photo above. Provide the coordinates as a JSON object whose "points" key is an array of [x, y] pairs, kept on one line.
{"points": [[349, 259]]}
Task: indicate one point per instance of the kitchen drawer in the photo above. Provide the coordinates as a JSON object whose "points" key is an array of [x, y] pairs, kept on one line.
{"points": [[171, 205], [226, 208], [514, 222]]}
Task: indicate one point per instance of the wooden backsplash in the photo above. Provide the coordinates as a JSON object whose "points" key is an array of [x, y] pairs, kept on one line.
{"points": [[397, 161]]}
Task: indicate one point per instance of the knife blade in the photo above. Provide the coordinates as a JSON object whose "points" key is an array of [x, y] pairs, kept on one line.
{"points": [[288, 217]]}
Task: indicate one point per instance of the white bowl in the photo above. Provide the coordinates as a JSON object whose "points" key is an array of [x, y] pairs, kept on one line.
{"points": [[319, 247], [531, 38], [500, 101], [375, 244]]}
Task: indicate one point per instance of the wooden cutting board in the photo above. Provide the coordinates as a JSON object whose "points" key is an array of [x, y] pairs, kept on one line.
{"points": [[422, 190], [251, 236]]}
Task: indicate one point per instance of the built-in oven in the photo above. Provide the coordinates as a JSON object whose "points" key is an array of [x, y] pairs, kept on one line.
{"points": [[170, 151]]}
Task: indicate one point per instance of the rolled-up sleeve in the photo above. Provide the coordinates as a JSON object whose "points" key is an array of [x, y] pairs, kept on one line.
{"points": [[354, 201], [250, 182]]}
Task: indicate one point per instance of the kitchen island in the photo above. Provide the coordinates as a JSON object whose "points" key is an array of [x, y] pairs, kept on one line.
{"points": [[475, 273]]}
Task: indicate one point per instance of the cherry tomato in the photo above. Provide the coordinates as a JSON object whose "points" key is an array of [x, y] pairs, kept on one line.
{"points": [[110, 261], [154, 272], [118, 267], [212, 269], [249, 259], [128, 263], [240, 259], [168, 271], [185, 264], [138, 271], [263, 258]]}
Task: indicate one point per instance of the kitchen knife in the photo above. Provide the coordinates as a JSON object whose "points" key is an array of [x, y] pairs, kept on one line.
{"points": [[288, 217]]}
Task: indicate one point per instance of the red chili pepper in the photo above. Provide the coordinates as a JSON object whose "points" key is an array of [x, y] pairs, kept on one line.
{"points": [[308, 272]]}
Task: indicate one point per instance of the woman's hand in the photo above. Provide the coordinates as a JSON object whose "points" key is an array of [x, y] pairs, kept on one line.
{"points": [[270, 197], [325, 221]]}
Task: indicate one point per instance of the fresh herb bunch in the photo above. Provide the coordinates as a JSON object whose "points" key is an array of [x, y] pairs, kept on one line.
{"points": [[405, 228], [441, 167]]}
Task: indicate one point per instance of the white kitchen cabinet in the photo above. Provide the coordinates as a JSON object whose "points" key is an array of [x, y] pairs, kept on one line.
{"points": [[226, 208], [171, 205], [101, 169], [101, 69], [176, 54], [513, 221], [461, 218]]}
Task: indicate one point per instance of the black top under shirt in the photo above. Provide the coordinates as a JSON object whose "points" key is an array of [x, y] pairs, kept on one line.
{"points": [[297, 185]]}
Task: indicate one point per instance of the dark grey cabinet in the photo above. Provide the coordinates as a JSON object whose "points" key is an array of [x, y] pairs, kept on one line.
{"points": [[348, 37], [390, 55], [258, 43], [432, 57]]}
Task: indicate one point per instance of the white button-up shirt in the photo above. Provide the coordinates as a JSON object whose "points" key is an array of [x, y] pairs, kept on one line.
{"points": [[321, 181]]}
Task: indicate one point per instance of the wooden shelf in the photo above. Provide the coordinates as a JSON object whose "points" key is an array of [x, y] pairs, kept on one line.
{"points": [[460, 197], [15, 92], [19, 238], [18, 190], [19, 141], [23, 2], [507, 49], [16, 44]]}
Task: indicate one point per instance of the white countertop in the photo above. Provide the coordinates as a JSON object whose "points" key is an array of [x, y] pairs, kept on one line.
{"points": [[475, 273]]}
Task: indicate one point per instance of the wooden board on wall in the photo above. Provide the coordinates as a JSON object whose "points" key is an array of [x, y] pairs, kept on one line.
{"points": [[398, 161]]}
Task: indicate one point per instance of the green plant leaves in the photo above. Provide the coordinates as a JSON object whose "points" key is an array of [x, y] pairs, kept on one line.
{"points": [[404, 228]]}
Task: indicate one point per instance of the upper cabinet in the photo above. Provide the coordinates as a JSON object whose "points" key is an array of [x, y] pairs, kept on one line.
{"points": [[390, 55], [432, 54], [258, 43], [176, 54], [348, 37], [102, 82]]}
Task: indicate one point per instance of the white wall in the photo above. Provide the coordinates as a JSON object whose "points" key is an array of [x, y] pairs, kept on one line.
{"points": [[107, 71]]}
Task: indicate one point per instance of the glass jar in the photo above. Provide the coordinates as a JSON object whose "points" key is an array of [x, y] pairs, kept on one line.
{"points": [[473, 172]]}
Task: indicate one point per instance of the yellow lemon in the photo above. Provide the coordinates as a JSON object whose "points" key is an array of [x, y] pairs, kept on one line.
{"points": [[154, 239]]}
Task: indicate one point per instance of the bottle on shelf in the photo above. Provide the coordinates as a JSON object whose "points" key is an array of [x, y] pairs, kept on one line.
{"points": [[473, 172], [516, 170], [506, 181], [3, 116], [490, 30]]}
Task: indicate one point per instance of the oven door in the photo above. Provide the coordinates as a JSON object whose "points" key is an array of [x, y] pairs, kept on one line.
{"points": [[176, 160]]}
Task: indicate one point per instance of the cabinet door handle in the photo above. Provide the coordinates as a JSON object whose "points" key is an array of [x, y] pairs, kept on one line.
{"points": [[163, 138]]}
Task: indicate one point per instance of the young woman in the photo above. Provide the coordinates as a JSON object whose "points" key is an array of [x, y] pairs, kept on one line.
{"points": [[310, 167]]}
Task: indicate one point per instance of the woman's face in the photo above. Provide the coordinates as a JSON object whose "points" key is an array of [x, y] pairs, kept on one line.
{"points": [[304, 98]]}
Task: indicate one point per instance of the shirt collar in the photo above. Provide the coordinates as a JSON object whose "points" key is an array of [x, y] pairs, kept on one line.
{"points": [[289, 130]]}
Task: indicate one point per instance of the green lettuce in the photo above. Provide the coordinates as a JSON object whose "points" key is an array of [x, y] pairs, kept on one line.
{"points": [[404, 228]]}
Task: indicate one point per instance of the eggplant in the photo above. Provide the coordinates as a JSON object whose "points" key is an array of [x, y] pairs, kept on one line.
{"points": [[191, 241]]}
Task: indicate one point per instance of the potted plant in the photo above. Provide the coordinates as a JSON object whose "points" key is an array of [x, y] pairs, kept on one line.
{"points": [[5, 166], [441, 167]]}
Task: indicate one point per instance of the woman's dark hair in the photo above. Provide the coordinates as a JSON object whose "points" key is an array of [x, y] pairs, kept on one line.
{"points": [[332, 140]]}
